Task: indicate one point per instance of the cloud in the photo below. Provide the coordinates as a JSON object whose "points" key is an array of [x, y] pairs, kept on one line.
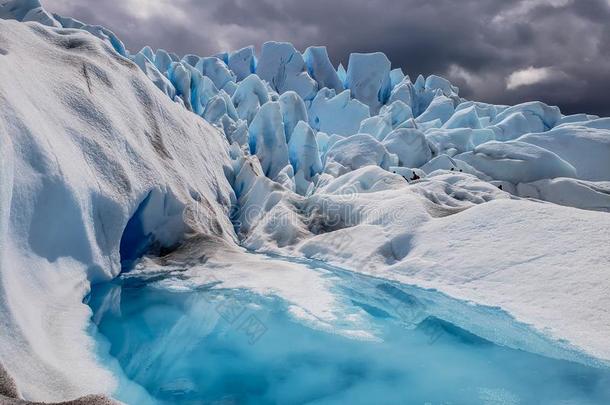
{"points": [[529, 76], [146, 9], [478, 44], [522, 9]]}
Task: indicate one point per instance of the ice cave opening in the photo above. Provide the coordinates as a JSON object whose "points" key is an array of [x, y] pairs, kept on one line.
{"points": [[156, 228]]}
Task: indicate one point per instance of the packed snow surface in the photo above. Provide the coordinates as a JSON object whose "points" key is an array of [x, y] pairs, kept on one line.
{"points": [[112, 160]]}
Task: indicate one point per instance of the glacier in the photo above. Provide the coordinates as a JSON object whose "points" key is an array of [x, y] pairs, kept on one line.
{"points": [[293, 186]]}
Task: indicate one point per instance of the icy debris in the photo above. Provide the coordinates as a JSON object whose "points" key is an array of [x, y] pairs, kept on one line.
{"points": [[378, 100]]}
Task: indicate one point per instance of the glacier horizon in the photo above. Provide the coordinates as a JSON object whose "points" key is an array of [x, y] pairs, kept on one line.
{"points": [[112, 159]]}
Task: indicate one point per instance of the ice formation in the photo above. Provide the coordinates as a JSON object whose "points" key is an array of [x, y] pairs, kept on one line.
{"points": [[283, 67], [112, 155], [368, 78]]}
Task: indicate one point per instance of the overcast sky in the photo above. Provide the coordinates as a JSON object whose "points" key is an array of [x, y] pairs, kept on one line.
{"points": [[501, 51]]}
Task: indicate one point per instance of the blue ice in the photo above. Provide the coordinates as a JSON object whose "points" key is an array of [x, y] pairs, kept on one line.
{"points": [[214, 345]]}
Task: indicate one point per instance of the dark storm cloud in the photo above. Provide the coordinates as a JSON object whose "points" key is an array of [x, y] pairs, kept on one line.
{"points": [[478, 44]]}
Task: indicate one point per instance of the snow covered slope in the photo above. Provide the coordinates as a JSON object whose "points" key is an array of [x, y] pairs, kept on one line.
{"points": [[109, 155], [85, 138], [545, 264]]}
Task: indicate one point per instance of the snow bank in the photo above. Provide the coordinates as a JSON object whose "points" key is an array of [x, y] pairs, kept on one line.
{"points": [[500, 254], [85, 139]]}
